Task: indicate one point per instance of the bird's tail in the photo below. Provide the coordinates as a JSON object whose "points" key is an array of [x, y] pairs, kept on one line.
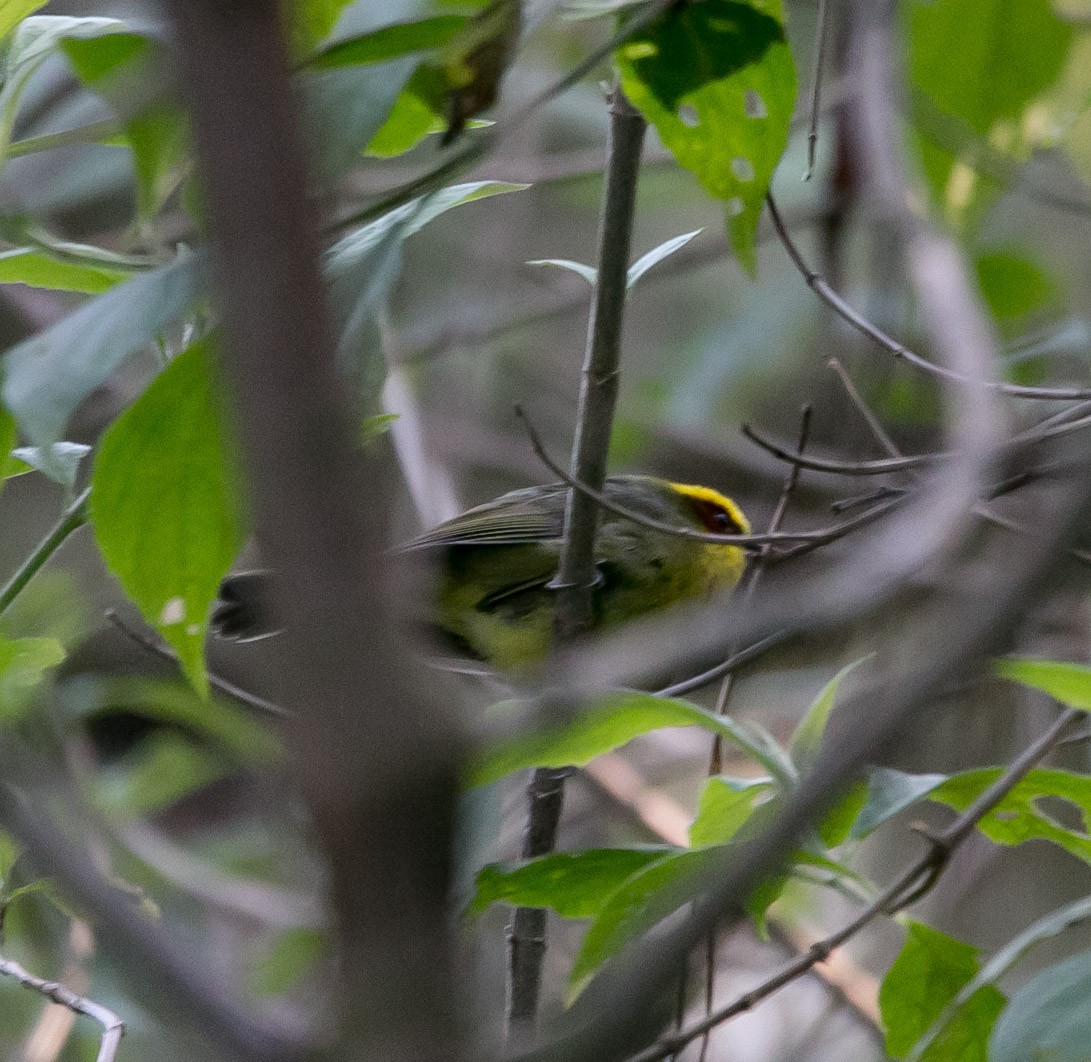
{"points": [[244, 611]]}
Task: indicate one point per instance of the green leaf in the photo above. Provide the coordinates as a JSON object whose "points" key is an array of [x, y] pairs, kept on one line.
{"points": [[609, 723], [725, 806], [345, 108], [161, 770], [985, 62], [23, 664], [656, 255], [1013, 286], [294, 954], [311, 21], [127, 70], [417, 113], [928, 972], [362, 266], [1048, 1018], [574, 884], [1019, 817], [807, 739], [12, 12], [377, 425], [1045, 928], [12, 467], [588, 273], [48, 375], [164, 504], [31, 45], [1068, 683], [646, 898], [836, 826], [717, 81], [390, 42], [889, 792], [37, 269]]}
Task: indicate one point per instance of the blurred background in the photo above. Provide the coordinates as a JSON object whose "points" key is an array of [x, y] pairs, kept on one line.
{"points": [[200, 820]]}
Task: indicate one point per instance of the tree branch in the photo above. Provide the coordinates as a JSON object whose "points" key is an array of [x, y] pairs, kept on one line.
{"points": [[577, 571], [113, 1028], [378, 759]]}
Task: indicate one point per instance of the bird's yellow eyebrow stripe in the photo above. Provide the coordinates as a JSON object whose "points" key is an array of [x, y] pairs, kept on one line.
{"points": [[707, 494]]}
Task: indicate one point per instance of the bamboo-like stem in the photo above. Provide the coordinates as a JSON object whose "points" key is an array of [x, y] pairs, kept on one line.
{"points": [[577, 573]]}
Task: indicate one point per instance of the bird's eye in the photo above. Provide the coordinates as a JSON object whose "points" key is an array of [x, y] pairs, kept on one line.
{"points": [[717, 519]]}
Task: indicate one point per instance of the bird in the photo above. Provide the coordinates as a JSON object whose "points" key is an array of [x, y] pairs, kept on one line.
{"points": [[495, 563]]}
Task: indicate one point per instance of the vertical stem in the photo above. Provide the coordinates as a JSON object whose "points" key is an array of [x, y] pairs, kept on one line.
{"points": [[576, 574]]}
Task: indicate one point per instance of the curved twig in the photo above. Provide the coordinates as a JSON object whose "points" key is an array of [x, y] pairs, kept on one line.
{"points": [[813, 538], [113, 1028], [831, 298]]}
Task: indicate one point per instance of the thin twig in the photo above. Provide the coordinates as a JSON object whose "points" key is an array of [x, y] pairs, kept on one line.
{"points": [[879, 467], [821, 36], [853, 317], [908, 888], [113, 1028], [73, 518], [164, 652], [577, 572], [812, 538], [736, 660], [865, 411], [715, 764]]}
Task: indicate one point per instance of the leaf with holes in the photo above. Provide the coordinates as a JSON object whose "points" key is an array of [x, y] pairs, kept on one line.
{"points": [[717, 81], [926, 976], [1019, 816], [164, 504]]}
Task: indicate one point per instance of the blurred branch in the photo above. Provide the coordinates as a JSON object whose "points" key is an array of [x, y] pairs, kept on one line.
{"points": [[113, 1028], [164, 652], [577, 572], [822, 35], [378, 758], [165, 977], [909, 887], [73, 518]]}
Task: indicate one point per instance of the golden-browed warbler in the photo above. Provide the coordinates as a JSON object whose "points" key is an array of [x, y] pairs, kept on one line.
{"points": [[496, 562]]}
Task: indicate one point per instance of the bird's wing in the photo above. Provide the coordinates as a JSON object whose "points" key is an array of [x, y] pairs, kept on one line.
{"points": [[522, 517]]}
